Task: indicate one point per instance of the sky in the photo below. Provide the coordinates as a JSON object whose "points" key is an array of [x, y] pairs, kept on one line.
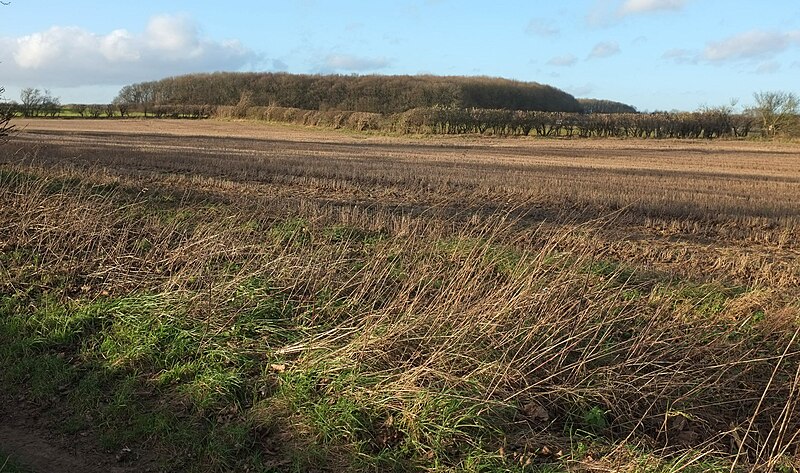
{"points": [[652, 54]]}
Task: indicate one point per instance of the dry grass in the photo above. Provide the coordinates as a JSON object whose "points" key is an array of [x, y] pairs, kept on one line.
{"points": [[443, 303], [731, 205]]}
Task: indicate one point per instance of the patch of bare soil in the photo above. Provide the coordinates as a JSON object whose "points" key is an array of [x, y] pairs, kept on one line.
{"points": [[27, 437]]}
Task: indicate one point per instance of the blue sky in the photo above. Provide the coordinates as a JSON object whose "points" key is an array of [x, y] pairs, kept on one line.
{"points": [[653, 54]]}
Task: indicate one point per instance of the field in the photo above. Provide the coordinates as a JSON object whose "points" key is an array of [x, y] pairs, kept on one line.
{"points": [[238, 296]]}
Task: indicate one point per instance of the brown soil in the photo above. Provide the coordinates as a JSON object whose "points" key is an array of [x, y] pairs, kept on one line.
{"points": [[28, 438], [750, 159]]}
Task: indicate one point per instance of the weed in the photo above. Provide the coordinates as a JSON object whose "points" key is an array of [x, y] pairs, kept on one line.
{"points": [[292, 232]]}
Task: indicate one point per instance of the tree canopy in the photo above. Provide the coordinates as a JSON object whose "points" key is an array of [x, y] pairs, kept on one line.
{"points": [[776, 111], [605, 106], [371, 93]]}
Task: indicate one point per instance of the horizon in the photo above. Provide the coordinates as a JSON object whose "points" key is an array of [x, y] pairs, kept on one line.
{"points": [[651, 54]]}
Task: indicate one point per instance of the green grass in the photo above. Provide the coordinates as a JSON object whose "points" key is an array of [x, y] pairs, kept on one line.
{"points": [[222, 340], [141, 371], [144, 368]]}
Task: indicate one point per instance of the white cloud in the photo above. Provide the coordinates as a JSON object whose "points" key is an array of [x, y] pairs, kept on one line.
{"points": [[604, 49], [605, 13], [347, 62], [563, 61], [71, 56], [174, 34], [632, 7], [541, 27], [681, 56], [754, 44], [119, 45], [601, 13]]}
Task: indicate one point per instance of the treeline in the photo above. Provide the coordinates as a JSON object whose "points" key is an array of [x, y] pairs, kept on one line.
{"points": [[36, 103], [124, 110], [373, 93], [605, 106], [107, 110], [714, 123]]}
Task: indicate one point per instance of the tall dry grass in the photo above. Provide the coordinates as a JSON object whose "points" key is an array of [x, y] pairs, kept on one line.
{"points": [[486, 328], [723, 212]]}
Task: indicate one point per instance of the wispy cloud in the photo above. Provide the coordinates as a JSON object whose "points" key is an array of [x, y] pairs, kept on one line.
{"points": [[350, 63], [541, 27], [769, 67], [604, 49], [72, 56], [633, 7], [608, 12], [563, 61], [681, 56], [754, 44], [601, 13], [756, 47]]}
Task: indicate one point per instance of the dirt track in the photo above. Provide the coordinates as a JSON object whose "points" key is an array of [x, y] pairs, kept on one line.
{"points": [[30, 443]]}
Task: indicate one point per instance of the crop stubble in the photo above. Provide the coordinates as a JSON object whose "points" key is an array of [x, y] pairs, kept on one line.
{"points": [[676, 205], [691, 213]]}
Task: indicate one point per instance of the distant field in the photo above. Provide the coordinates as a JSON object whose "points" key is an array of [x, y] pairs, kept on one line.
{"points": [[228, 295]]}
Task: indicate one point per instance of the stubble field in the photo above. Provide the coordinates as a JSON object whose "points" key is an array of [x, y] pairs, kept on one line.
{"points": [[240, 296]]}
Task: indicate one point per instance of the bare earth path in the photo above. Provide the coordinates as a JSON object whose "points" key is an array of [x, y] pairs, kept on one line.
{"points": [[30, 442]]}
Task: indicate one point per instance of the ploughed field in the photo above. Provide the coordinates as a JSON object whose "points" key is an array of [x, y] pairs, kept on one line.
{"points": [[236, 295]]}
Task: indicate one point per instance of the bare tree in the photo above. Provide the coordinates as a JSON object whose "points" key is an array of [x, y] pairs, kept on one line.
{"points": [[34, 103], [123, 108], [79, 108], [31, 101], [51, 106], [6, 114], [95, 110], [776, 111]]}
